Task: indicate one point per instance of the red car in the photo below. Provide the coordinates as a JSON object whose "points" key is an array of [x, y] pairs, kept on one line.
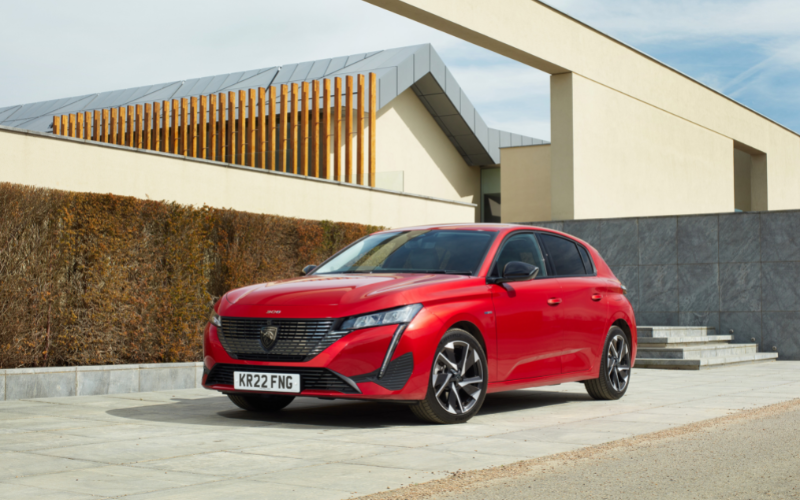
{"points": [[435, 316]]}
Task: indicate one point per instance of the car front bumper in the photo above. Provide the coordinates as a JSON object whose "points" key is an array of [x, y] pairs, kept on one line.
{"points": [[349, 368]]}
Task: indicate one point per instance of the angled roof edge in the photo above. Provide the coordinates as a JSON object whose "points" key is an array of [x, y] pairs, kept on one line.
{"points": [[418, 67]]}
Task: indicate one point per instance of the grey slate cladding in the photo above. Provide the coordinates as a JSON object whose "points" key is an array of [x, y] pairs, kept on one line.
{"points": [[738, 273], [418, 67]]}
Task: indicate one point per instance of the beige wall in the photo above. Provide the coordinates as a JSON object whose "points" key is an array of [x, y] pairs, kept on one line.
{"points": [[537, 35], [409, 140], [60, 163], [742, 173], [630, 158], [525, 183]]}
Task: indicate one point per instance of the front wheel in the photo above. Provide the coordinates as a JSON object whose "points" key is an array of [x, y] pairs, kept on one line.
{"points": [[458, 381], [615, 368], [260, 402]]}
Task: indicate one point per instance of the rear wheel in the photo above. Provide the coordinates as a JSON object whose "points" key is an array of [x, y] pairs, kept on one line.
{"points": [[615, 368], [458, 381], [260, 402]]}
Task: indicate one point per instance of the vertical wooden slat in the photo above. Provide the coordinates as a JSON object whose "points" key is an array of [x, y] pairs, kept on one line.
{"points": [[122, 119], [262, 127], [165, 126], [348, 130], [240, 128], [250, 158], [106, 126], [284, 127], [202, 131], [223, 120], [157, 126], [175, 127], [79, 125], [98, 123], [137, 140], [184, 126], [295, 126], [373, 117], [148, 126], [232, 127], [360, 131], [129, 131], [337, 128], [271, 142], [65, 125], [314, 129], [325, 137], [71, 125], [213, 126], [304, 129], [193, 127], [112, 133], [56, 125]]}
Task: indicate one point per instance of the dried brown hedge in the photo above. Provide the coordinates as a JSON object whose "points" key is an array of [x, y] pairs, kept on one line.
{"points": [[91, 279]]}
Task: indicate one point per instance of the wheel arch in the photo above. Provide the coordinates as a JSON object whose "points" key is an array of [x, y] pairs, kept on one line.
{"points": [[473, 330]]}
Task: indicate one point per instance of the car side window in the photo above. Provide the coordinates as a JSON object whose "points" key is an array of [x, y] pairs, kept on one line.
{"points": [[521, 247], [563, 255]]}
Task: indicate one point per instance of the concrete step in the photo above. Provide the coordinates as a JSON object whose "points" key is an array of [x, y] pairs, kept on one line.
{"points": [[649, 342], [674, 331], [698, 364], [697, 351]]}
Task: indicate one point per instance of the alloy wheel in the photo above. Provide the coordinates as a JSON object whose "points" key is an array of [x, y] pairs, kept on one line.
{"points": [[457, 377], [618, 362]]}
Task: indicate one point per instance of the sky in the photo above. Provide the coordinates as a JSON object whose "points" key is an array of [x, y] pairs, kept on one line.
{"points": [[746, 49]]}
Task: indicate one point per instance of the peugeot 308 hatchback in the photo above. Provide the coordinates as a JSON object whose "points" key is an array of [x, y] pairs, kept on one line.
{"points": [[435, 316]]}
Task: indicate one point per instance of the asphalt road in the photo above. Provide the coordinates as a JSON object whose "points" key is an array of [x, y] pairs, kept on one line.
{"points": [[753, 455]]}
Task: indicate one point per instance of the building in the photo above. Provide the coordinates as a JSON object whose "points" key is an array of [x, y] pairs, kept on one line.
{"points": [[426, 144]]}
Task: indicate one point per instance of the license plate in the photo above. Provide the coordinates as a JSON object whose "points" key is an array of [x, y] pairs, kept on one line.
{"points": [[268, 382]]}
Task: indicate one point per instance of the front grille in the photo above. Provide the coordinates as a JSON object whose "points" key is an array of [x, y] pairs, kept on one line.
{"points": [[320, 379], [298, 340]]}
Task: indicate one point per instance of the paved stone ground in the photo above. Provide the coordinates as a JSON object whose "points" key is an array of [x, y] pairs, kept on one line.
{"points": [[748, 455], [195, 443]]}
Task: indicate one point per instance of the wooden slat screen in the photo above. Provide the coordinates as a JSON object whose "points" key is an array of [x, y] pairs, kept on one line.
{"points": [[305, 136]]}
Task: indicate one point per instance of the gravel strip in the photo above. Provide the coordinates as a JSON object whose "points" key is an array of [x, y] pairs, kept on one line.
{"points": [[751, 454]]}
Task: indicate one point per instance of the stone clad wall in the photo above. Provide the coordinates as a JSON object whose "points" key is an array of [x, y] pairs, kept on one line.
{"points": [[735, 272]]}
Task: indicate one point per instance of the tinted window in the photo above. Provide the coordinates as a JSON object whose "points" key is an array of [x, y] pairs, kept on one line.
{"points": [[522, 248], [422, 251], [587, 261], [563, 255]]}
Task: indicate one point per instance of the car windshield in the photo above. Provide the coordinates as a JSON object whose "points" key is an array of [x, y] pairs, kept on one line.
{"points": [[423, 251]]}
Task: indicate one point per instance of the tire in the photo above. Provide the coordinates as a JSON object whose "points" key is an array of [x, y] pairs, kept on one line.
{"points": [[260, 402], [615, 368], [460, 376]]}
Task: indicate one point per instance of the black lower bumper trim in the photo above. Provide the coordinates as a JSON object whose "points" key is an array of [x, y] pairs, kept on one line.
{"points": [[397, 374]]}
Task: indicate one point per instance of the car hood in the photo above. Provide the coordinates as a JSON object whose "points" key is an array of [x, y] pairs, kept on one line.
{"points": [[336, 290]]}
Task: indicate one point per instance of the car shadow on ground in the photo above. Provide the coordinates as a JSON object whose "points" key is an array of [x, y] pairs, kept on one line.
{"points": [[312, 412]]}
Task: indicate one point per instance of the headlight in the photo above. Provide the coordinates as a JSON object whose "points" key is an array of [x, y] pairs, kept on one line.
{"points": [[391, 317], [215, 319]]}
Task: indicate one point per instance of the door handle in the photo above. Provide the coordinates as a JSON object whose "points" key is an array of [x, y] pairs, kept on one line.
{"points": [[554, 302], [597, 297]]}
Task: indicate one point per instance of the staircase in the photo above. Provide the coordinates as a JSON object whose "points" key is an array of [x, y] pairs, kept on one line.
{"points": [[692, 348]]}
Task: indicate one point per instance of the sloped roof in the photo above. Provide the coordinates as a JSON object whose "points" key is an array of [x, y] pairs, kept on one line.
{"points": [[418, 67]]}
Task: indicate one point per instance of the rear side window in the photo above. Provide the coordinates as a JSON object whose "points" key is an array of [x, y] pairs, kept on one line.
{"points": [[563, 255], [587, 262]]}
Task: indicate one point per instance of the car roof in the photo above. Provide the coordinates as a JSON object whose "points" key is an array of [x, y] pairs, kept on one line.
{"points": [[474, 226]]}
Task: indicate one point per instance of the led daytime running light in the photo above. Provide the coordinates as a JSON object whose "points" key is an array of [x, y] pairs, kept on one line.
{"points": [[391, 317]]}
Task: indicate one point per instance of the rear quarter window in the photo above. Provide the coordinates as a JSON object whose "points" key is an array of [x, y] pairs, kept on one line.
{"points": [[564, 255]]}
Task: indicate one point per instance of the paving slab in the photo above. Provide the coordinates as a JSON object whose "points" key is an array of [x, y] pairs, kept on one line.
{"points": [[195, 443]]}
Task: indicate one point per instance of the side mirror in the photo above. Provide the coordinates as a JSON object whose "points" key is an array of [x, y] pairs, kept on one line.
{"points": [[308, 269], [517, 271]]}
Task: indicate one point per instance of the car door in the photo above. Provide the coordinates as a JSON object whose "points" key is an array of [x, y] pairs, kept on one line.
{"points": [[581, 315], [525, 323]]}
